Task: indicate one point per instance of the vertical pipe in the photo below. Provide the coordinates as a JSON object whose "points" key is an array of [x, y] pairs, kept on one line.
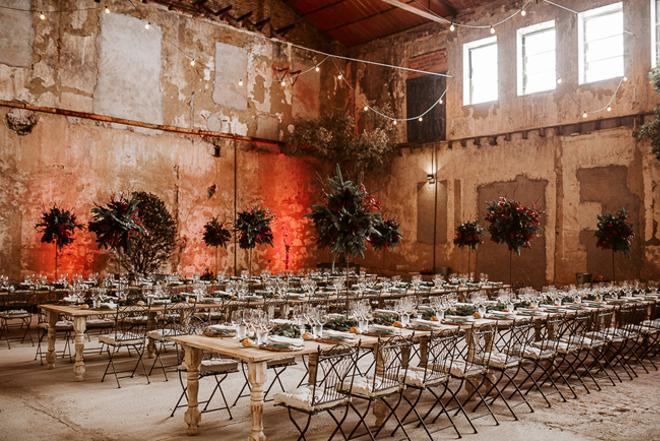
{"points": [[435, 204], [235, 206]]}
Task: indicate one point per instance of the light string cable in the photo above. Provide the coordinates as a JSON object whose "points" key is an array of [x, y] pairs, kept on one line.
{"points": [[367, 107]]}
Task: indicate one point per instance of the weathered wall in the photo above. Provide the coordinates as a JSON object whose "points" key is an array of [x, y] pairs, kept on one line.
{"points": [[109, 64], [572, 178]]}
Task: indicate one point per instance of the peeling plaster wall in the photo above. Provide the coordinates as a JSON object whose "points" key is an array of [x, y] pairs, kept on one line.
{"points": [[581, 175], [110, 64]]}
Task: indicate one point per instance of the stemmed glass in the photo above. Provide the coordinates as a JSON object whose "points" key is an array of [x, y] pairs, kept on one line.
{"points": [[405, 307]]}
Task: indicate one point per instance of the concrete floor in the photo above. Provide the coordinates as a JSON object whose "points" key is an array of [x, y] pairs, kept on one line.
{"points": [[38, 404]]}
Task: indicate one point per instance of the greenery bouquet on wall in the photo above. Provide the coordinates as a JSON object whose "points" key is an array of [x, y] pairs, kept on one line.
{"points": [[216, 235], [651, 129], [253, 227], [468, 235], [58, 226], [513, 224], [613, 232]]}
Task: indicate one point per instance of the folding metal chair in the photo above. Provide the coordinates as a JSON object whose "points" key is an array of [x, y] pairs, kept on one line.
{"points": [[329, 370], [130, 333], [175, 320]]}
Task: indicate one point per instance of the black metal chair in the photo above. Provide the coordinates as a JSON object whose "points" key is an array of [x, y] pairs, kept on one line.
{"points": [[130, 333], [329, 370], [14, 314], [174, 320]]}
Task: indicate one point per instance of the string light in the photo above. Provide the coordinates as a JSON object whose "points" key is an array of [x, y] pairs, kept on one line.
{"points": [[609, 108], [559, 80], [420, 119], [584, 114], [340, 77], [317, 68], [625, 79], [366, 108], [283, 83], [192, 62], [147, 26], [107, 10], [240, 82], [523, 12], [452, 28], [395, 122], [42, 16], [492, 29]]}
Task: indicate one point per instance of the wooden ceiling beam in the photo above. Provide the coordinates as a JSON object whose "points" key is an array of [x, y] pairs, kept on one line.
{"points": [[368, 17]]}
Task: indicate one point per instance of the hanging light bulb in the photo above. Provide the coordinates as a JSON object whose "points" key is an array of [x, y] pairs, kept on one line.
{"points": [[318, 69], [609, 108], [584, 114], [147, 26], [240, 82], [440, 101], [106, 10], [340, 77], [420, 119], [395, 122], [625, 79], [452, 27], [283, 83], [492, 29], [559, 80], [192, 62], [523, 12], [42, 16], [366, 108]]}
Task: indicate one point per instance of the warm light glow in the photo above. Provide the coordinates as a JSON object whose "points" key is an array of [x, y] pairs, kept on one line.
{"points": [[147, 26], [420, 119], [523, 12], [340, 77], [395, 122], [492, 30], [366, 108], [318, 69], [42, 16], [283, 83], [107, 10], [240, 82], [625, 79], [609, 108], [559, 80], [192, 62], [452, 28], [584, 114]]}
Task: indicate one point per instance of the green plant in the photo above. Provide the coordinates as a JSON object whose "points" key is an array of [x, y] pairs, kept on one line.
{"points": [[336, 138], [150, 250], [253, 227], [387, 233], [58, 226], [613, 232], [215, 233], [651, 129]]}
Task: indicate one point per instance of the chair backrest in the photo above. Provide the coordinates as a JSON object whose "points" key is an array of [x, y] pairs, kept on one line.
{"points": [[131, 322], [440, 355], [574, 329], [511, 340], [175, 318], [330, 370], [546, 335], [392, 356], [479, 344]]}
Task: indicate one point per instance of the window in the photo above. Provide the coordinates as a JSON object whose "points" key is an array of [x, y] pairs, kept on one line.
{"points": [[600, 33], [655, 32], [536, 58], [480, 71]]}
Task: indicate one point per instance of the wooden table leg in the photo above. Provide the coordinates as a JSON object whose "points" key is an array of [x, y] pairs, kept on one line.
{"points": [[257, 379], [192, 417], [79, 327], [50, 355]]}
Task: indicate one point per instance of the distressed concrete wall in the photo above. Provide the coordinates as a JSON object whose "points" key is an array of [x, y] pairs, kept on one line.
{"points": [[573, 178], [110, 64]]}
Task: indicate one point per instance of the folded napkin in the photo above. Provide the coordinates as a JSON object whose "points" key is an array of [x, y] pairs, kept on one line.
{"points": [[430, 323], [339, 335], [278, 340]]}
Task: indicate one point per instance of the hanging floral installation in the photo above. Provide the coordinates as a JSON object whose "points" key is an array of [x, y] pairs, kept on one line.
{"points": [[388, 233], [614, 232], [58, 226]]}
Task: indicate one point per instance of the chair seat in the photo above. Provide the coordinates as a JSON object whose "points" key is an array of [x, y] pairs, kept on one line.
{"points": [[459, 369], [62, 325], [651, 323], [15, 314], [419, 377], [120, 340], [533, 353], [604, 336], [364, 386], [161, 334], [498, 360], [214, 366], [100, 323], [587, 342], [301, 399], [562, 346], [646, 330]]}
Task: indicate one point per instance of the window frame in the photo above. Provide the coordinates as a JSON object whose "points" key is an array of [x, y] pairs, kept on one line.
{"points": [[655, 33], [467, 69], [521, 33], [582, 52]]}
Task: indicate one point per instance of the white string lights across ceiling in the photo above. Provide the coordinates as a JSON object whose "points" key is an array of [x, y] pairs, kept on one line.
{"points": [[427, 13]]}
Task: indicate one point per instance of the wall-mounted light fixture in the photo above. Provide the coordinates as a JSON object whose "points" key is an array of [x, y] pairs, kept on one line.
{"points": [[430, 178]]}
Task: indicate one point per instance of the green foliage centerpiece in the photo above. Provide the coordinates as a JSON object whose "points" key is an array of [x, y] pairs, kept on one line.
{"points": [[58, 226], [468, 235], [349, 219], [253, 228], [216, 235], [613, 232], [512, 223]]}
